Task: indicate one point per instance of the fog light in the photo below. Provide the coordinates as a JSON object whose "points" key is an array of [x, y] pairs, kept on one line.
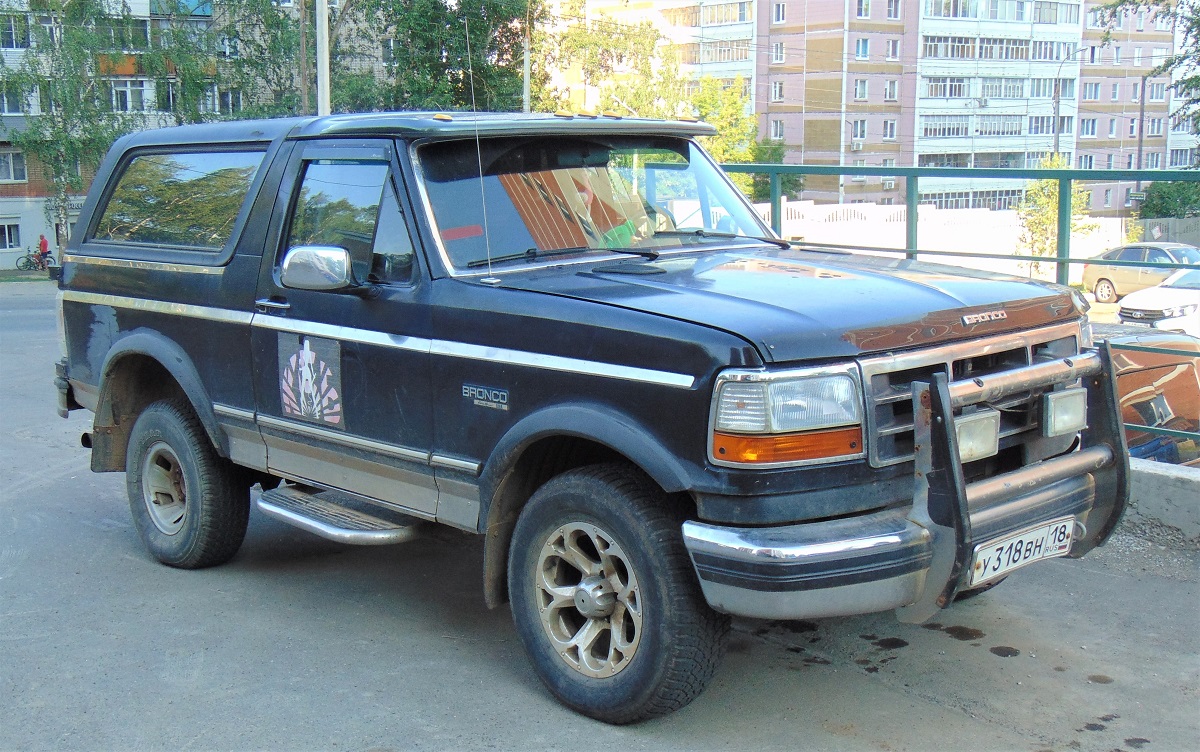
{"points": [[1064, 412], [978, 435]]}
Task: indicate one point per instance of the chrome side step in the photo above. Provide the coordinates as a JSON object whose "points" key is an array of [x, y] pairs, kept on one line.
{"points": [[338, 517]]}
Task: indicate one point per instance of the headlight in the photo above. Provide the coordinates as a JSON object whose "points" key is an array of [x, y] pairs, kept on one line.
{"points": [[787, 418], [1176, 312]]}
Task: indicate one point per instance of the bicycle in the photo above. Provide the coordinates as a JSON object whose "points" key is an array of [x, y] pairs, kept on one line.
{"points": [[35, 262]]}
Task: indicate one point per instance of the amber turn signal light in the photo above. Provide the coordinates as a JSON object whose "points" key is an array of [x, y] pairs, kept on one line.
{"points": [[788, 447]]}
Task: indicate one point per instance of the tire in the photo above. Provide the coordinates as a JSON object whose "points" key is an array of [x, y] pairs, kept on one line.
{"points": [[49, 261], [25, 264], [190, 505], [1106, 292], [641, 587]]}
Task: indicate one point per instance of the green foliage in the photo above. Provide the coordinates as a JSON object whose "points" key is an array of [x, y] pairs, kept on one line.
{"points": [[770, 151], [1038, 213], [1166, 199], [725, 108], [1184, 65], [75, 123]]}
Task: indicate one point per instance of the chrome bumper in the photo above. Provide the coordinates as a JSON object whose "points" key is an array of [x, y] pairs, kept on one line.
{"points": [[915, 559]]}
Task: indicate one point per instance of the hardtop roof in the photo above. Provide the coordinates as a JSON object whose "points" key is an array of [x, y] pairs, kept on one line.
{"points": [[413, 125]]}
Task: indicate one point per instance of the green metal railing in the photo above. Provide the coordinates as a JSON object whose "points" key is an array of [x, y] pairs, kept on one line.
{"points": [[1062, 258]]}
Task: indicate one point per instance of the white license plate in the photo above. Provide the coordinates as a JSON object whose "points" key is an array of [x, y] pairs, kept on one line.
{"points": [[998, 557], [1136, 323]]}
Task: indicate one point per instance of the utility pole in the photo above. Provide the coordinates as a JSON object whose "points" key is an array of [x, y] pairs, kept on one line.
{"points": [[1141, 126], [528, 69], [322, 57], [304, 73]]}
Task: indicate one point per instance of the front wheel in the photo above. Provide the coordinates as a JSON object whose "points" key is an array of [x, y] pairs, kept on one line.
{"points": [[1106, 292], [605, 599], [190, 505]]}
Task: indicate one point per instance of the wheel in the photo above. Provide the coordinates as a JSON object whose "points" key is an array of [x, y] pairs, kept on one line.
{"points": [[49, 260], [25, 263], [605, 599], [190, 505], [1105, 292]]}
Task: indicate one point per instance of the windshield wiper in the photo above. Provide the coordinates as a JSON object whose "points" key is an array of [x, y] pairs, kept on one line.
{"points": [[533, 254], [701, 233]]}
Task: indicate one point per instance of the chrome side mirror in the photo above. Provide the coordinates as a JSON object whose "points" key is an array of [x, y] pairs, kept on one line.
{"points": [[317, 267]]}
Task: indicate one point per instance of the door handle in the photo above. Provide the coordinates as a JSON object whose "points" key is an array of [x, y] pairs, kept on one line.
{"points": [[266, 305]]}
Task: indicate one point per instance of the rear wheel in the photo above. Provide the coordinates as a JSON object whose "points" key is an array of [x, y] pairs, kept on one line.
{"points": [[25, 263], [190, 505], [605, 599], [1105, 291]]}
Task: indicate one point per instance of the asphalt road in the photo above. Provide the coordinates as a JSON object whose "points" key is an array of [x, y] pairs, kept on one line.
{"points": [[303, 644]]}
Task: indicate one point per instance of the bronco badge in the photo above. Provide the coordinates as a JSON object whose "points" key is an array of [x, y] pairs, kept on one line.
{"points": [[979, 318]]}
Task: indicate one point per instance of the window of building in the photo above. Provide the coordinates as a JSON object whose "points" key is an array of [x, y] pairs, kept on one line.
{"points": [[1141, 20], [1137, 56], [1154, 127], [1112, 127], [951, 8], [859, 178], [1045, 88], [863, 8], [893, 9], [862, 49], [777, 130], [1043, 50], [686, 16], [1156, 92], [1005, 49], [125, 33], [126, 94], [1132, 127], [1039, 124], [1116, 91], [1091, 91], [891, 90], [1135, 89], [893, 49], [945, 126], [948, 47], [779, 13], [10, 102], [1154, 160], [1181, 157], [1085, 161], [944, 87], [858, 129], [725, 51], [1158, 56], [14, 32], [726, 13], [1093, 55], [12, 167], [1109, 160], [776, 91], [1108, 196], [1162, 21], [889, 130], [1117, 55], [778, 52], [1000, 159], [1087, 127], [999, 125], [1128, 196], [1181, 123], [860, 88], [944, 160], [1003, 88]]}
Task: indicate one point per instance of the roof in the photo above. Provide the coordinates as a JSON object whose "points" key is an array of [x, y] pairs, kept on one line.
{"points": [[414, 125]]}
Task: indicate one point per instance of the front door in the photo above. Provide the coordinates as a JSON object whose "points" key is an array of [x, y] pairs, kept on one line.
{"points": [[342, 377]]}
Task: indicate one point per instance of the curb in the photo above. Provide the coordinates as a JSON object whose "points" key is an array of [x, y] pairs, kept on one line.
{"points": [[1169, 494]]}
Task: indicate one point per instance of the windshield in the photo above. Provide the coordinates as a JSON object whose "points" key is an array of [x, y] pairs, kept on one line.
{"points": [[565, 196], [1184, 279], [1188, 255]]}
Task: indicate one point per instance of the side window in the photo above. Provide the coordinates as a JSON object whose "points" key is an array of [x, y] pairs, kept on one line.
{"points": [[184, 201], [1133, 254], [352, 205], [1157, 256]]}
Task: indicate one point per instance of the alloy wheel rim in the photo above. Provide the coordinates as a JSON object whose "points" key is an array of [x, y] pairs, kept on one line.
{"points": [[164, 489], [589, 600]]}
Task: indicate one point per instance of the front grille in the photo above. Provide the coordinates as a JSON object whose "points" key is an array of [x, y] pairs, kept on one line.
{"points": [[1140, 315], [888, 383]]}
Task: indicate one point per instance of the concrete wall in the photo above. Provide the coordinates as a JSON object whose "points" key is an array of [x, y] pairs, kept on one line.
{"points": [[1169, 494]]}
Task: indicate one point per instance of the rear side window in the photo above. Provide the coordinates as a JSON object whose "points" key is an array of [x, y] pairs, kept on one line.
{"points": [[186, 200]]}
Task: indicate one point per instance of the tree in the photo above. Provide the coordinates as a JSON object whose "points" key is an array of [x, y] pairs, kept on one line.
{"points": [[1171, 200], [771, 151], [1184, 65], [724, 107], [1038, 213], [73, 112]]}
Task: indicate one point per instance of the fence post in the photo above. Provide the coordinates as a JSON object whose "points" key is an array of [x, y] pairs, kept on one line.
{"points": [[1063, 247], [910, 218], [776, 203]]}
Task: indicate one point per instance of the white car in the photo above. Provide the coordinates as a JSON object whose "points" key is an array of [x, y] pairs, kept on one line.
{"points": [[1172, 306]]}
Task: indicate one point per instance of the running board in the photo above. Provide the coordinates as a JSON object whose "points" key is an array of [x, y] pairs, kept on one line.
{"points": [[337, 516]]}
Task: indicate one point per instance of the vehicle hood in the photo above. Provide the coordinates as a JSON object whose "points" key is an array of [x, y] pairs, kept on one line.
{"points": [[803, 305]]}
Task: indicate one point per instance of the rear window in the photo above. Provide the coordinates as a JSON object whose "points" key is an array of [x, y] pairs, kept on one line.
{"points": [[186, 200]]}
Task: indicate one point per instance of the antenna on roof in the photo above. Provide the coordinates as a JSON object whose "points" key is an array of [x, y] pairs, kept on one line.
{"points": [[487, 238]]}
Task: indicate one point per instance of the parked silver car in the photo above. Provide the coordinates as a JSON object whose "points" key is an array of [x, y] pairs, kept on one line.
{"points": [[1110, 283]]}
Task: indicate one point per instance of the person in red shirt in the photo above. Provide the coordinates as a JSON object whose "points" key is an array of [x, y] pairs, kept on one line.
{"points": [[43, 247]]}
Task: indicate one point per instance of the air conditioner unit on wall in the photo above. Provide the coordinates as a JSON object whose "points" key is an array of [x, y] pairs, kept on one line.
{"points": [[889, 185], [856, 145]]}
